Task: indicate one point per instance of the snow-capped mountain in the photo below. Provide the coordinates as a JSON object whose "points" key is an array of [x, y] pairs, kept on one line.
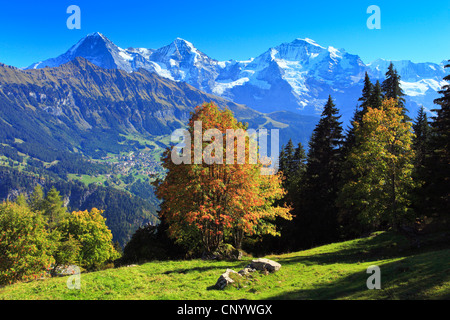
{"points": [[296, 76]]}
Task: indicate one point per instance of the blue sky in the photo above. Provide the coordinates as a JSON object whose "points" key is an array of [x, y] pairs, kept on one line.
{"points": [[31, 31]]}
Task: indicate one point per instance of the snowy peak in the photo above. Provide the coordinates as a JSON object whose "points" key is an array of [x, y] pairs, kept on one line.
{"points": [[296, 76], [307, 40], [96, 48]]}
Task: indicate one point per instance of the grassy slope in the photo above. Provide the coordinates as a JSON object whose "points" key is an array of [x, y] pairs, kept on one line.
{"points": [[335, 271]]}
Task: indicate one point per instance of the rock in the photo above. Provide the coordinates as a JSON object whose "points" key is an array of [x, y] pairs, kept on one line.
{"points": [[265, 264], [227, 252], [246, 271], [225, 279]]}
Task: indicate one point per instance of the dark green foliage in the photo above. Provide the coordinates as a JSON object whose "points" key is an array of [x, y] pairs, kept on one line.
{"points": [[52, 207], [437, 165], [151, 242], [293, 165], [318, 212], [421, 141], [376, 97], [392, 89]]}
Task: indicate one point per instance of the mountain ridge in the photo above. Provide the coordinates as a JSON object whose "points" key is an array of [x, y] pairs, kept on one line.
{"points": [[296, 76]]}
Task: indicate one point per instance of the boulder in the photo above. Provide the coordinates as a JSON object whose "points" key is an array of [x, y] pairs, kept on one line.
{"points": [[263, 264], [225, 279], [227, 252]]}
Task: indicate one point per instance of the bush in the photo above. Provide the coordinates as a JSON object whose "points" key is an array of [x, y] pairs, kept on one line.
{"points": [[25, 246], [89, 229]]}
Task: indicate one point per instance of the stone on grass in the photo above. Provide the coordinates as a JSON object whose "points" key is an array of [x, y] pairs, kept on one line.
{"points": [[263, 264], [225, 279], [246, 272]]}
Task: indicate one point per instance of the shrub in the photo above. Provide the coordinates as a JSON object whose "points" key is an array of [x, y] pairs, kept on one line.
{"points": [[25, 247]]}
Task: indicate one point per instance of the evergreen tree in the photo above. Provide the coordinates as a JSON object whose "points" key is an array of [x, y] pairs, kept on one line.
{"points": [[53, 208], [300, 158], [438, 163], [391, 88], [422, 131], [376, 98], [421, 146], [365, 97], [350, 227], [37, 199], [293, 184], [322, 178], [287, 165]]}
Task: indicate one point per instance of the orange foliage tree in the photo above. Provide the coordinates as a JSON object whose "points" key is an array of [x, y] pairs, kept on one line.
{"points": [[208, 200]]}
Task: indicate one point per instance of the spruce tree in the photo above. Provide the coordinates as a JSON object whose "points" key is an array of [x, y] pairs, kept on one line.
{"points": [[37, 199], [422, 132], [53, 208], [421, 146], [365, 98], [322, 177], [287, 164], [300, 158], [391, 88], [376, 98], [438, 163]]}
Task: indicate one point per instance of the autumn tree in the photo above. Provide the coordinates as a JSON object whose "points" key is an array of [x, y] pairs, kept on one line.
{"points": [[382, 168], [208, 200]]}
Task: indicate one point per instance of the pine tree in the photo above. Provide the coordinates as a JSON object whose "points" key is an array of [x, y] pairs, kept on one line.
{"points": [[293, 184], [438, 164], [300, 158], [37, 199], [391, 88], [322, 177], [376, 98], [287, 165], [421, 146], [422, 131], [53, 208], [365, 97]]}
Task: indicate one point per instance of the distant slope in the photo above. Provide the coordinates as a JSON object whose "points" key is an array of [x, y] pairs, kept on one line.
{"points": [[80, 106], [334, 271]]}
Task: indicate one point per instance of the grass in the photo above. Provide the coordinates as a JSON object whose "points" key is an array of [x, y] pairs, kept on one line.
{"points": [[87, 179], [335, 271]]}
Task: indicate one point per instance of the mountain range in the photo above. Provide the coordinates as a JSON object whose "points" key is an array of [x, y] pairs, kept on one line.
{"points": [[296, 76], [81, 107]]}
